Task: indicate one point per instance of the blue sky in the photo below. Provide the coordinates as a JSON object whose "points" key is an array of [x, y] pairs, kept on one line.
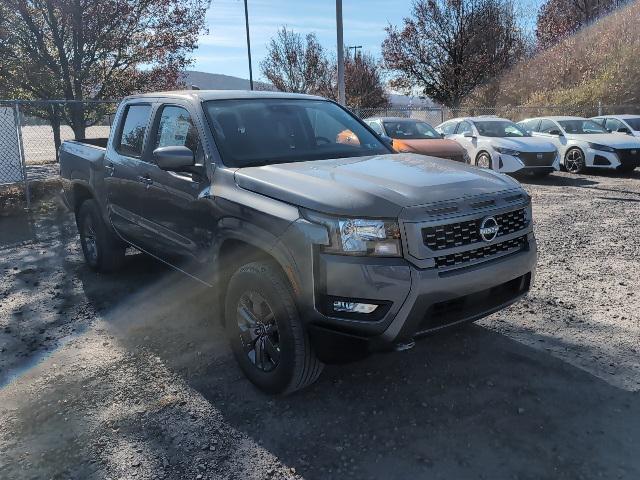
{"points": [[223, 50]]}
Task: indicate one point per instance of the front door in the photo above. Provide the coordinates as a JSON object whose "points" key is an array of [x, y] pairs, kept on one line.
{"points": [[177, 217]]}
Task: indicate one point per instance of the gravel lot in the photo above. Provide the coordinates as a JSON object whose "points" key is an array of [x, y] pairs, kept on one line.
{"points": [[129, 376]]}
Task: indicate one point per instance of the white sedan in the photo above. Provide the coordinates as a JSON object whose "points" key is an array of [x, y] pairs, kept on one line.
{"points": [[584, 143], [501, 145], [622, 124]]}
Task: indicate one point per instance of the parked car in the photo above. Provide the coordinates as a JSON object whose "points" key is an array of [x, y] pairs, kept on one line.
{"points": [[623, 124], [416, 136], [501, 145], [319, 251], [584, 143]]}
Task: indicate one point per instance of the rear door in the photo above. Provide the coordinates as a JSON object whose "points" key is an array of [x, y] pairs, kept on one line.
{"points": [[470, 144], [179, 222], [123, 172]]}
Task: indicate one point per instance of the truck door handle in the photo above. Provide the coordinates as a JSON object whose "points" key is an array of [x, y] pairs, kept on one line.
{"points": [[146, 180]]}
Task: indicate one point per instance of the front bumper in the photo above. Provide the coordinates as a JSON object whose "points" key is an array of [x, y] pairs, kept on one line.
{"points": [[418, 300], [513, 164], [621, 158]]}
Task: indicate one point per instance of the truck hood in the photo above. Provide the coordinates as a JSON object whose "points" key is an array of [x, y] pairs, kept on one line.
{"points": [[373, 186]]}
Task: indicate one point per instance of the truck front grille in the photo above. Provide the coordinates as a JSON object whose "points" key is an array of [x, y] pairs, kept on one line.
{"points": [[455, 259], [460, 234]]}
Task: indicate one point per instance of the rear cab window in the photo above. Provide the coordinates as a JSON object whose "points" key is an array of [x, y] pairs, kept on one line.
{"points": [[135, 120]]}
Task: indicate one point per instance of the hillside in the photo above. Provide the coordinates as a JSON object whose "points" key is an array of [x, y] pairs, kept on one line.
{"points": [[217, 81], [599, 63]]}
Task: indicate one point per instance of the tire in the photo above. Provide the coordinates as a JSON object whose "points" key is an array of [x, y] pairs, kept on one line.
{"points": [[483, 160], [261, 317], [574, 161], [103, 251]]}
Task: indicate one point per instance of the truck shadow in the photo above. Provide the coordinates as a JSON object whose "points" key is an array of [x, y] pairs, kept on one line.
{"points": [[466, 403]]}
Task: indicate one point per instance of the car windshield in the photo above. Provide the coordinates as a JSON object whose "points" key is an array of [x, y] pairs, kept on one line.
{"points": [[266, 131], [410, 130], [634, 123], [581, 127], [499, 128]]}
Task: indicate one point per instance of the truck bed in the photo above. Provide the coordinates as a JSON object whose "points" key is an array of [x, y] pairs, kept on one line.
{"points": [[82, 162]]}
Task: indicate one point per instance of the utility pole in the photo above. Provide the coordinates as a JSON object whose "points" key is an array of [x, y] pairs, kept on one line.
{"points": [[341, 94], [246, 21], [355, 49]]}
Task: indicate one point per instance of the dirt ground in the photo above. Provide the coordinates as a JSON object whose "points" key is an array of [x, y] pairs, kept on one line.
{"points": [[129, 375]]}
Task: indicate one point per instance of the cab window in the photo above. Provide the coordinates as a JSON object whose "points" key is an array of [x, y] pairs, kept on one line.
{"points": [[134, 127], [176, 129]]}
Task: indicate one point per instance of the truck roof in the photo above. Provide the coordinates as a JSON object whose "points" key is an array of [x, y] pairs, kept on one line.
{"points": [[204, 95]]}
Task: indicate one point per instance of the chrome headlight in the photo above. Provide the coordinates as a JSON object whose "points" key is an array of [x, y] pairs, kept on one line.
{"points": [[360, 236], [507, 151], [603, 148]]}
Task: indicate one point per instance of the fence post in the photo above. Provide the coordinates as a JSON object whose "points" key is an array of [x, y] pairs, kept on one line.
{"points": [[441, 114], [23, 160], [599, 107]]}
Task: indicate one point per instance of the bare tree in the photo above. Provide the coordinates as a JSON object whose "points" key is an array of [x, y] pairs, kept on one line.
{"points": [[88, 50], [363, 80], [298, 65], [447, 48]]}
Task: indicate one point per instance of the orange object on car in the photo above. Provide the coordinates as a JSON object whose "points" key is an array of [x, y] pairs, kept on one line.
{"points": [[417, 136]]}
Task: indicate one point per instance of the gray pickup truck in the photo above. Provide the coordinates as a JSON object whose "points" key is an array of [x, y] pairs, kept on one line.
{"points": [[321, 243]]}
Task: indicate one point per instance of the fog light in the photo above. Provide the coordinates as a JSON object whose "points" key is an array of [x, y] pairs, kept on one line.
{"points": [[353, 307]]}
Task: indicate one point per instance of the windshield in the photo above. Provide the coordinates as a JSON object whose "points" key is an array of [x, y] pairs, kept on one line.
{"points": [[410, 130], [252, 132], [500, 128], [634, 123], [581, 127]]}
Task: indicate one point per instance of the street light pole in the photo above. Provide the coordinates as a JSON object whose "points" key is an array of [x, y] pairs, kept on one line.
{"points": [[341, 93], [246, 21], [355, 49]]}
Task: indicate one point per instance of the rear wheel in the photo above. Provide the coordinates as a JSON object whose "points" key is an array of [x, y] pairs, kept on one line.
{"points": [[483, 160], [574, 161], [103, 251], [265, 331]]}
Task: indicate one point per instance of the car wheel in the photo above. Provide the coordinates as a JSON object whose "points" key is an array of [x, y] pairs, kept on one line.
{"points": [[265, 331], [574, 161], [103, 251], [483, 160]]}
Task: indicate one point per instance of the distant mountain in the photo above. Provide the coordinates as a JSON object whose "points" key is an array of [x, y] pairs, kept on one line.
{"points": [[217, 81]]}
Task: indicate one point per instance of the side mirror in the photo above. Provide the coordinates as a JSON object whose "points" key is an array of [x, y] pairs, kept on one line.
{"points": [[468, 135], [174, 158], [624, 130], [555, 132]]}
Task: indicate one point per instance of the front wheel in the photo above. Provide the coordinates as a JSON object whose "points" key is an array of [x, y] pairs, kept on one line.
{"points": [[574, 161], [483, 160], [265, 331]]}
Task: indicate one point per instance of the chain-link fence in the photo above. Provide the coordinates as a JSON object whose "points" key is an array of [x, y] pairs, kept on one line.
{"points": [[437, 115], [31, 133]]}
